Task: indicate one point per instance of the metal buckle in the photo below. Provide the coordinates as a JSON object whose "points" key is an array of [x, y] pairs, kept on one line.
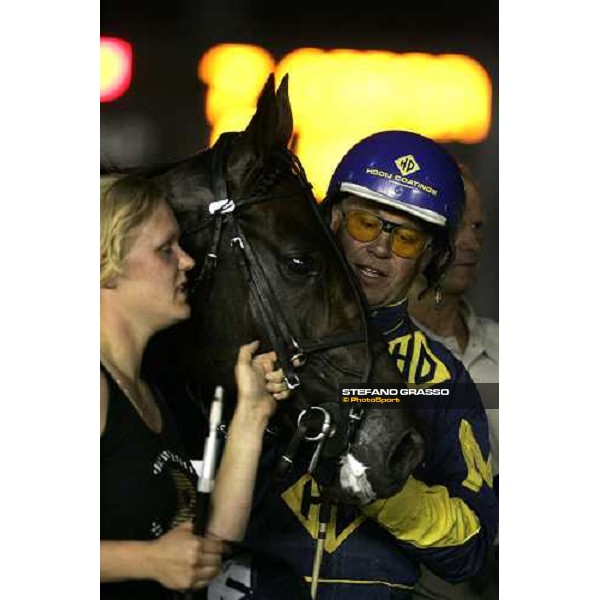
{"points": [[237, 240], [326, 429], [298, 355], [211, 260], [356, 414], [299, 359], [292, 381]]}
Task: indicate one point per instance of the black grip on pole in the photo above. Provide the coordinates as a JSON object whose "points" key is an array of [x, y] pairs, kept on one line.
{"points": [[325, 511], [200, 523], [202, 508]]}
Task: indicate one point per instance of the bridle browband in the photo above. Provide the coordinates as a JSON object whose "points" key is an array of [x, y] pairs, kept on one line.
{"points": [[292, 352]]}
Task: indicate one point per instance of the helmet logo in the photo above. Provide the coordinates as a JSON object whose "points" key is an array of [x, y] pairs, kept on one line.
{"points": [[407, 164]]}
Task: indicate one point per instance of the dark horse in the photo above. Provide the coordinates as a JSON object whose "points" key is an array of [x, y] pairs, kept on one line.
{"points": [[268, 268]]}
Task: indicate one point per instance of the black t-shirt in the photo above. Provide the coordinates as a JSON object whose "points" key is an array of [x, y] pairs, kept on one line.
{"points": [[147, 486]]}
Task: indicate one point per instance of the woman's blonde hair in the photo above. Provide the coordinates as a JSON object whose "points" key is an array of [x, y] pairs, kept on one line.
{"points": [[126, 201]]}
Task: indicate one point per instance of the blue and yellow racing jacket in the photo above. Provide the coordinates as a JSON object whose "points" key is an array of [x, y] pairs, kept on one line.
{"points": [[445, 517]]}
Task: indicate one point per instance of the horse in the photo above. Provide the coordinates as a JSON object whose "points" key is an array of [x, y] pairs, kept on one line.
{"points": [[268, 268]]}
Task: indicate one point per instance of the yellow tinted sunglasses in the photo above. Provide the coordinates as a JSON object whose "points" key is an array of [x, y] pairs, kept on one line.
{"points": [[405, 242]]}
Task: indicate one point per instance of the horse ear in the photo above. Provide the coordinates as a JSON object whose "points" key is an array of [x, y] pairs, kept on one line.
{"points": [[285, 123], [272, 123], [271, 127]]}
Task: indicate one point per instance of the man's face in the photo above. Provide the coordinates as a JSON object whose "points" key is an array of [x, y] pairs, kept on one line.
{"points": [[462, 275], [384, 277]]}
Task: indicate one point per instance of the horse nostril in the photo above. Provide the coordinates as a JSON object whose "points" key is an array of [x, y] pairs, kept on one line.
{"points": [[407, 454]]}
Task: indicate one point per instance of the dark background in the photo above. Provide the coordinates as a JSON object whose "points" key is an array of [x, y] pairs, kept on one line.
{"points": [[161, 117]]}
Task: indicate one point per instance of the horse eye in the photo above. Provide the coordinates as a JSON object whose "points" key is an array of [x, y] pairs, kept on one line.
{"points": [[302, 265]]}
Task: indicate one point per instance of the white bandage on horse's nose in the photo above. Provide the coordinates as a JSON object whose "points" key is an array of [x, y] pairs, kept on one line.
{"points": [[353, 478]]}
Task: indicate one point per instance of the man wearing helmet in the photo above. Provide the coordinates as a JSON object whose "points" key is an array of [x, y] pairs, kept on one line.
{"points": [[395, 201]]}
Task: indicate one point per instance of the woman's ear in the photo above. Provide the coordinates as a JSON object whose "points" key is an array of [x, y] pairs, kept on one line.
{"points": [[111, 284]]}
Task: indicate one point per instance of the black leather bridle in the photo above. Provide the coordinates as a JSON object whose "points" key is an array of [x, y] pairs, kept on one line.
{"points": [[291, 351]]}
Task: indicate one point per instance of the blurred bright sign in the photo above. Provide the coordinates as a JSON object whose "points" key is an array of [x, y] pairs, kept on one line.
{"points": [[115, 68], [340, 96]]}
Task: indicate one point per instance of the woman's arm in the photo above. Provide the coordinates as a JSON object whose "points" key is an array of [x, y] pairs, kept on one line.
{"points": [[258, 388], [124, 560]]}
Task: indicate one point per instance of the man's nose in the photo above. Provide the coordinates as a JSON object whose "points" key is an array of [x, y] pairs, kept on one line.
{"points": [[380, 246], [468, 239]]}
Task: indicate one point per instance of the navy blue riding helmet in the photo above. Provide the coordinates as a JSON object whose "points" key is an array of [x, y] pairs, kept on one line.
{"points": [[405, 171]]}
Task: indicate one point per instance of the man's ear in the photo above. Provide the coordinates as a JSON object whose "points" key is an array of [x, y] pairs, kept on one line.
{"points": [[336, 218], [424, 261], [418, 285]]}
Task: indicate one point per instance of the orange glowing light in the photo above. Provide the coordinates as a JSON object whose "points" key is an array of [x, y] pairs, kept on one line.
{"points": [[341, 96], [115, 68], [234, 74]]}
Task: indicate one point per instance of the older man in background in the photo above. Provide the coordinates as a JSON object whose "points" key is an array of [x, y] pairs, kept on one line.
{"points": [[446, 316]]}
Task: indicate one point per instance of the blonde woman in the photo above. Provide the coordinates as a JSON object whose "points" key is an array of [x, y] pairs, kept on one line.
{"points": [[147, 485]]}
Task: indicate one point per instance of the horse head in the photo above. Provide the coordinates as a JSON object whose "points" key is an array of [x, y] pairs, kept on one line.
{"points": [[268, 268]]}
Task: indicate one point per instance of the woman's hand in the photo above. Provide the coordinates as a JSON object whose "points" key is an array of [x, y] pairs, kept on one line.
{"points": [[180, 560], [259, 385]]}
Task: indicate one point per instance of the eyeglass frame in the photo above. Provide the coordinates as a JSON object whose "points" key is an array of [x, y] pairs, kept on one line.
{"points": [[387, 227]]}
